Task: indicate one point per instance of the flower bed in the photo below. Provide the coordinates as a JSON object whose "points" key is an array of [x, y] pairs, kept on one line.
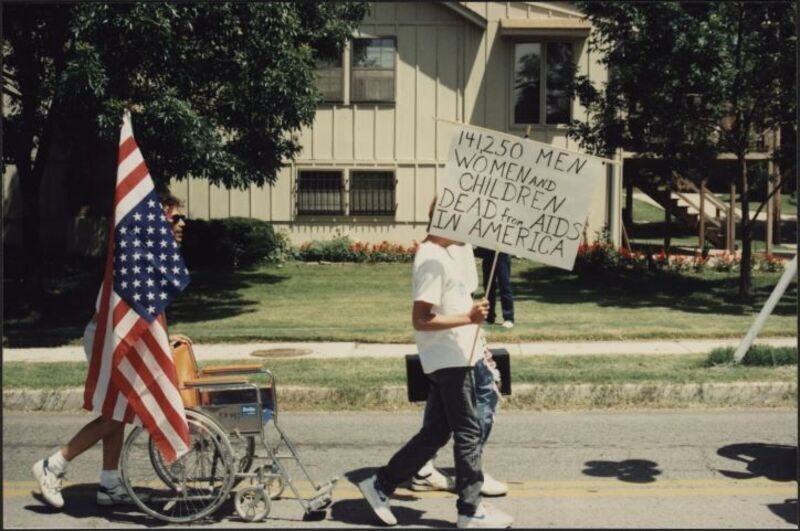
{"points": [[591, 258], [599, 256]]}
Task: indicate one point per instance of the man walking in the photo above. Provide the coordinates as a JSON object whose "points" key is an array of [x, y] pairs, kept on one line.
{"points": [[487, 394], [50, 471], [445, 320]]}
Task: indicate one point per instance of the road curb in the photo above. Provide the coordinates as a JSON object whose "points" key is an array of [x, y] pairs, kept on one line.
{"points": [[525, 396]]}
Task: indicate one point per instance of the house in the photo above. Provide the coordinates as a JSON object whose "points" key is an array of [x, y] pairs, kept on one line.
{"points": [[370, 161]]}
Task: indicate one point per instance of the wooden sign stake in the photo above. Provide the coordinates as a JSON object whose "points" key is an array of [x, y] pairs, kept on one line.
{"points": [[488, 290]]}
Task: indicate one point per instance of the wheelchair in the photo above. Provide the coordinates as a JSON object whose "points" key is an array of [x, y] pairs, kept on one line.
{"points": [[228, 418]]}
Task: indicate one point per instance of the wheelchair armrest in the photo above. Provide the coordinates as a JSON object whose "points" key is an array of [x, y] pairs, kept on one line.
{"points": [[225, 370], [201, 383]]}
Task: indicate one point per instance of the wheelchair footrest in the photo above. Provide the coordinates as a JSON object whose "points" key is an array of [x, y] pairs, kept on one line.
{"points": [[322, 496]]}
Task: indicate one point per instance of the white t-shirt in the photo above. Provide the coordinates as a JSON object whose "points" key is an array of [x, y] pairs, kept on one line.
{"points": [[464, 258], [439, 281]]}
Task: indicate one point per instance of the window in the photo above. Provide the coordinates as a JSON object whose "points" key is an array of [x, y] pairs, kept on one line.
{"points": [[330, 79], [372, 70], [527, 82], [372, 193], [320, 192], [536, 101]]}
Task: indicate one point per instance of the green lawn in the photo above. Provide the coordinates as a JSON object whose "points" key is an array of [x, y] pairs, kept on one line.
{"points": [[644, 212], [692, 242], [374, 373], [788, 204], [371, 303]]}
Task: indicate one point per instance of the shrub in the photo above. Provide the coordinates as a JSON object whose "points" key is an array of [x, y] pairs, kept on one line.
{"points": [[758, 355], [232, 243], [342, 249], [334, 250]]}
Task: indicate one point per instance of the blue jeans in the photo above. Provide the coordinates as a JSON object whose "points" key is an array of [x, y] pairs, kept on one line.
{"points": [[485, 400], [450, 410], [502, 281]]}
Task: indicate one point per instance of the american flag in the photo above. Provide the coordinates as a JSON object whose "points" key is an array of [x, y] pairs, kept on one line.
{"points": [[132, 377]]}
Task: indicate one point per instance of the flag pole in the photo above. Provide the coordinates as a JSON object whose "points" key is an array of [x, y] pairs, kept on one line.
{"points": [[488, 290]]}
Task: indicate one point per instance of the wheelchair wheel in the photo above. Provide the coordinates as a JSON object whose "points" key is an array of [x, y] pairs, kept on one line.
{"points": [[252, 504], [190, 488]]}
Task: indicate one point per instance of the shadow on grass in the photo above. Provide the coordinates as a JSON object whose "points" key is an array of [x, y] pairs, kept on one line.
{"points": [[216, 295], [647, 290], [70, 289]]}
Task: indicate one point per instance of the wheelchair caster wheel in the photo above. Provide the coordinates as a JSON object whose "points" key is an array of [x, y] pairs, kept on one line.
{"points": [[274, 482], [252, 504]]}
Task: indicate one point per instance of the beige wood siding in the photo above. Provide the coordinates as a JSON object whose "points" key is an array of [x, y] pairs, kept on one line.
{"points": [[446, 66]]}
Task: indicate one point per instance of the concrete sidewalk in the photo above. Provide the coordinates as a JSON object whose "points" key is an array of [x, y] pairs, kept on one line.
{"points": [[321, 350]]}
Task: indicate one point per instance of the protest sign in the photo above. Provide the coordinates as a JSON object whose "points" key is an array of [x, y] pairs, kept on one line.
{"points": [[517, 196]]}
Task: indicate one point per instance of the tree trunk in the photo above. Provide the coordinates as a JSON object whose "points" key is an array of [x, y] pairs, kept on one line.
{"points": [[776, 219], [745, 277], [31, 168], [628, 220]]}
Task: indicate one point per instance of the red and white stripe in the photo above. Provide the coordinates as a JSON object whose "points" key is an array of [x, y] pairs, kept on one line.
{"points": [[132, 377]]}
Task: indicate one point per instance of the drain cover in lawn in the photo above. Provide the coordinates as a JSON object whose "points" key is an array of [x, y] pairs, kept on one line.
{"points": [[281, 353]]}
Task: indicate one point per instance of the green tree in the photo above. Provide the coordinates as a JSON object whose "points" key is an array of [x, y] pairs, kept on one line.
{"points": [[215, 89], [689, 81]]}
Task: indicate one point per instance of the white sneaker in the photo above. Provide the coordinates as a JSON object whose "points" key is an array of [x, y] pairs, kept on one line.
{"points": [[116, 495], [485, 516], [378, 500], [434, 480], [508, 324], [492, 487], [49, 483]]}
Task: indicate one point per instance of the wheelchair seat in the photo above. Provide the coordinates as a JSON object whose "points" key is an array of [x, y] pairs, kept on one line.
{"points": [[190, 376]]}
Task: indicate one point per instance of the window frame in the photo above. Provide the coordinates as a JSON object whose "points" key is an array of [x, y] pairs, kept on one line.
{"points": [[344, 88], [342, 193], [352, 69], [391, 175], [542, 120], [346, 175]]}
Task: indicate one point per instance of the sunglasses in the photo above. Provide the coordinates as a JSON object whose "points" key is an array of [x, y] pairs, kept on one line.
{"points": [[177, 218]]}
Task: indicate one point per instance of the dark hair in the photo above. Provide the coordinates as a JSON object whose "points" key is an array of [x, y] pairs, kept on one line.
{"points": [[169, 200]]}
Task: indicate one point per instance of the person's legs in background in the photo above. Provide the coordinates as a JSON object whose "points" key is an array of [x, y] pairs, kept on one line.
{"points": [[503, 282], [486, 401]]}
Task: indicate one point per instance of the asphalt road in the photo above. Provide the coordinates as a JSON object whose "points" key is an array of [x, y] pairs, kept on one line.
{"points": [[642, 469]]}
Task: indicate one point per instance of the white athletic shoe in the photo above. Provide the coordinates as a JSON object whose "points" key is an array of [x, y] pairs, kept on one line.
{"points": [[116, 495], [378, 500], [49, 483], [485, 517], [492, 487], [433, 480], [508, 324]]}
